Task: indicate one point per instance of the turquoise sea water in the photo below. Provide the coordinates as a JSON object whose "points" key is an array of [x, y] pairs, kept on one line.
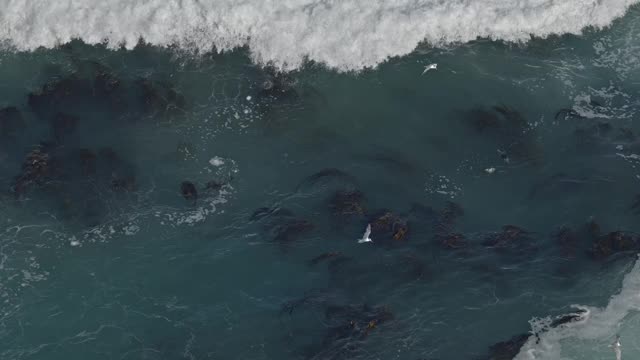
{"points": [[494, 184]]}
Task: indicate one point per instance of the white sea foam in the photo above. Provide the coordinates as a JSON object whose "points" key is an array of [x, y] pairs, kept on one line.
{"points": [[588, 338], [343, 34]]}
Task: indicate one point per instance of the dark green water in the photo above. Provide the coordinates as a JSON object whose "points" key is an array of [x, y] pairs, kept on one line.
{"points": [[103, 256]]}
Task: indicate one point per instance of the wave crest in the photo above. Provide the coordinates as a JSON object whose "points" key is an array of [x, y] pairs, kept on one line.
{"points": [[342, 34]]}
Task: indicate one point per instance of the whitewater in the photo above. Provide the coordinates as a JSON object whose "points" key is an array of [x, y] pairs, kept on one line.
{"points": [[593, 331], [341, 34]]}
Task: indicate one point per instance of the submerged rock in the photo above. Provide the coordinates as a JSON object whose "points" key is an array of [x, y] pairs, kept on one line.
{"points": [[121, 173], [213, 185], [400, 230], [36, 168], [635, 206], [558, 183], [337, 263], [448, 217], [568, 318], [588, 137], [309, 297], [509, 129], [291, 230], [599, 129], [324, 256], [382, 223], [63, 125], [567, 113], [452, 241], [413, 268], [158, 97], [387, 225], [568, 241], [11, 122], [123, 184], [185, 151], [444, 227], [613, 243], [265, 212], [281, 225], [510, 235], [87, 162], [351, 322], [277, 85], [421, 212], [91, 86], [324, 176], [189, 191], [58, 93], [625, 135], [106, 83], [507, 350], [395, 162], [347, 203], [360, 314]]}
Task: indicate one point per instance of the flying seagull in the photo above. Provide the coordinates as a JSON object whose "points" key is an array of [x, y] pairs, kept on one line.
{"points": [[616, 348], [430, 67], [365, 237]]}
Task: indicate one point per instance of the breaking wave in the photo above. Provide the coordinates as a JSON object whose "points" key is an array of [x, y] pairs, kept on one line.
{"points": [[342, 34]]}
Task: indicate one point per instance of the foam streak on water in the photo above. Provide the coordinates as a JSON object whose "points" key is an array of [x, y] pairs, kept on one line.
{"points": [[343, 34]]}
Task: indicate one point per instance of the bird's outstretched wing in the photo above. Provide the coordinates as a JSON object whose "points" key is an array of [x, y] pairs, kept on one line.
{"points": [[429, 67], [365, 237]]}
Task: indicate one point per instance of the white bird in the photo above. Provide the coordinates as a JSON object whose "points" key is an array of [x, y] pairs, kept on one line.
{"points": [[430, 67], [366, 237], [616, 348]]}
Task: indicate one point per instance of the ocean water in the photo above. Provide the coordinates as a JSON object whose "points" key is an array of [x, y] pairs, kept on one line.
{"points": [[188, 180]]}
